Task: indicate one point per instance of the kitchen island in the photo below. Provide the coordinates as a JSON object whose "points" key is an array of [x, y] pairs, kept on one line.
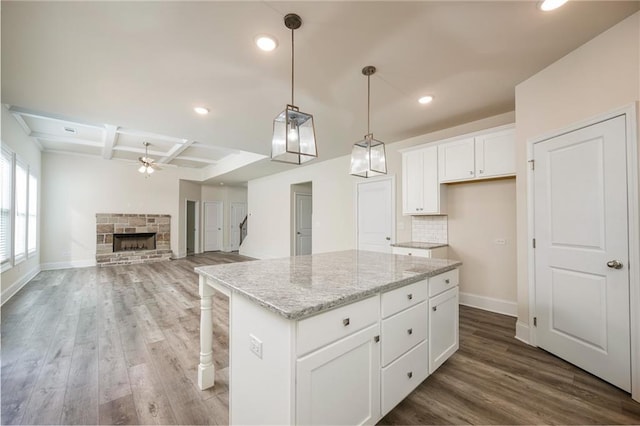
{"points": [[329, 338]]}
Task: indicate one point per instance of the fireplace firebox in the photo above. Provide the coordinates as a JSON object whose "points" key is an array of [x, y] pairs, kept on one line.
{"points": [[134, 242]]}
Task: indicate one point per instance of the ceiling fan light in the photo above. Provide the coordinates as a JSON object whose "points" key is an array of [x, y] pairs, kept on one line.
{"points": [[149, 170], [142, 169]]}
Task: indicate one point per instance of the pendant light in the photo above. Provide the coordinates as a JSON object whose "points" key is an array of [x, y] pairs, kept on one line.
{"points": [[294, 136], [368, 157]]}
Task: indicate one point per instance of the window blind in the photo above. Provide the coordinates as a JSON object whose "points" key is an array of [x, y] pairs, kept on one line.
{"points": [[5, 205], [33, 214], [20, 228]]}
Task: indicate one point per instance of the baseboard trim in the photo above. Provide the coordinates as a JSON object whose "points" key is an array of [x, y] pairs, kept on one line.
{"points": [[491, 304], [523, 332], [50, 266], [21, 282]]}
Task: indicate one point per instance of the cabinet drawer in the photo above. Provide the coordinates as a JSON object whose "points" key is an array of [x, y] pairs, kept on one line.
{"points": [[403, 376], [403, 331], [404, 297], [330, 326], [411, 251], [443, 282]]}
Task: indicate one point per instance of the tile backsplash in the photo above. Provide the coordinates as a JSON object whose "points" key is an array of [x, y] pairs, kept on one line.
{"points": [[429, 229]]}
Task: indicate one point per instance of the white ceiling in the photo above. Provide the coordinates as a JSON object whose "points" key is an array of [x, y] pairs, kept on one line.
{"points": [[145, 65]]}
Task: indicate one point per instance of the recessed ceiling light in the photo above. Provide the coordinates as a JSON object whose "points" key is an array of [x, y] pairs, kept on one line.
{"points": [[548, 5], [426, 99], [201, 110], [266, 42]]}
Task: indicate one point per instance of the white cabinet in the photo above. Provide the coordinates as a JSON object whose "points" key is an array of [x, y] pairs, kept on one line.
{"points": [[483, 156], [443, 327], [421, 192], [340, 383], [438, 252]]}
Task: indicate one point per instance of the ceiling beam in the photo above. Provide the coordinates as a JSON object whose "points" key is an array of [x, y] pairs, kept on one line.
{"points": [[176, 150], [197, 160], [110, 138], [27, 113], [132, 132], [54, 138]]}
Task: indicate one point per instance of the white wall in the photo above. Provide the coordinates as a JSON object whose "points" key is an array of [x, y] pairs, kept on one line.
{"points": [[601, 75], [227, 195], [15, 139], [333, 199], [75, 188]]}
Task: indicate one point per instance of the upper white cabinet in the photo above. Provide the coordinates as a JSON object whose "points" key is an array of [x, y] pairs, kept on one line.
{"points": [[483, 156], [421, 192]]}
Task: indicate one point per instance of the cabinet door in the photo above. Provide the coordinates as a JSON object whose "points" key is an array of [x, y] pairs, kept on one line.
{"points": [[354, 363], [456, 160], [412, 182], [443, 327], [431, 184], [496, 154]]}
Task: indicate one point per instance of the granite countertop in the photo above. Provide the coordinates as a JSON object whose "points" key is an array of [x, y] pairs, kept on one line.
{"points": [[419, 245], [297, 287]]}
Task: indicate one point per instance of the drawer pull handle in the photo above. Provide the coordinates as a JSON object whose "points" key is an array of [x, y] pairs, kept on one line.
{"points": [[447, 281], [435, 308], [376, 339], [410, 331], [345, 322], [410, 296], [410, 374]]}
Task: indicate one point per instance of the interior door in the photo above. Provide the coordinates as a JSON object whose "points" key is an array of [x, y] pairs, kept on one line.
{"points": [[212, 226], [581, 254], [375, 215], [238, 213], [304, 209], [191, 227]]}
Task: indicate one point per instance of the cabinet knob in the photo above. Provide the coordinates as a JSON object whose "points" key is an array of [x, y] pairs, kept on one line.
{"points": [[410, 374], [481, 171], [447, 281], [376, 339], [408, 254], [345, 322], [410, 331], [410, 296], [435, 308], [471, 172]]}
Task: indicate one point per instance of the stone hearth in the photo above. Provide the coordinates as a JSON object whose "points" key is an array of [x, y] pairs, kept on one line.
{"points": [[108, 224]]}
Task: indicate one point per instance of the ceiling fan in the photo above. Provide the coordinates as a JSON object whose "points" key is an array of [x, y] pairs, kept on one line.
{"points": [[147, 164]]}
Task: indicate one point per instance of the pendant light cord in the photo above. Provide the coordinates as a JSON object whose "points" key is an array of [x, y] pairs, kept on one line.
{"points": [[368, 103], [292, 69]]}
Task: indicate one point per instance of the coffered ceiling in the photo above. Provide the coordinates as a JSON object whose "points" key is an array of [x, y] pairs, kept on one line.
{"points": [[146, 65]]}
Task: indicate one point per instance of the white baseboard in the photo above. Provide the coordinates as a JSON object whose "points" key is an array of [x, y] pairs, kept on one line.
{"points": [[66, 265], [523, 332], [16, 286], [491, 304]]}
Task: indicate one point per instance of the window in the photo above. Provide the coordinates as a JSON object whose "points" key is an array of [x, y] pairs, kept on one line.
{"points": [[20, 227], [6, 207], [33, 214]]}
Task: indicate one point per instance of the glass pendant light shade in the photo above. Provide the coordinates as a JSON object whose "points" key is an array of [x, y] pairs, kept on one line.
{"points": [[368, 158], [294, 137]]}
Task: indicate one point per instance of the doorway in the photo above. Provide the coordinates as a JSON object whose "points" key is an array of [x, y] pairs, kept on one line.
{"points": [[376, 214], [583, 206], [238, 213], [192, 227], [213, 226], [302, 219]]}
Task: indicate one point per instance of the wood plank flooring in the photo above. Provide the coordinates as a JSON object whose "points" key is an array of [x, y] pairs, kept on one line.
{"points": [[119, 345]]}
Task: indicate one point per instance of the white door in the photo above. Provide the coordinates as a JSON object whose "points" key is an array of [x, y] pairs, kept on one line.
{"points": [[580, 226], [238, 213], [212, 226], [304, 209], [375, 215]]}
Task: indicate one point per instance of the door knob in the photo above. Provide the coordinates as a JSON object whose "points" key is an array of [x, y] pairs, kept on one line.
{"points": [[388, 238], [298, 232], [614, 264]]}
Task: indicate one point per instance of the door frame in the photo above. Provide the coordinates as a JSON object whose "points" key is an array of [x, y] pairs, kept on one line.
{"points": [[220, 205], [196, 219], [630, 111], [392, 178], [295, 221]]}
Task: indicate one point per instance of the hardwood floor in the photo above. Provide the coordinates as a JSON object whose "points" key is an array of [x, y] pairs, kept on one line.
{"points": [[119, 345]]}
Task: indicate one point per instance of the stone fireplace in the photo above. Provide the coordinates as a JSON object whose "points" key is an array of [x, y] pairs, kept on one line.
{"points": [[124, 239]]}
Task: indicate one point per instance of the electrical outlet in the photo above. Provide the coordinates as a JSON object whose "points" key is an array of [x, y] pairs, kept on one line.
{"points": [[255, 345], [501, 241]]}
